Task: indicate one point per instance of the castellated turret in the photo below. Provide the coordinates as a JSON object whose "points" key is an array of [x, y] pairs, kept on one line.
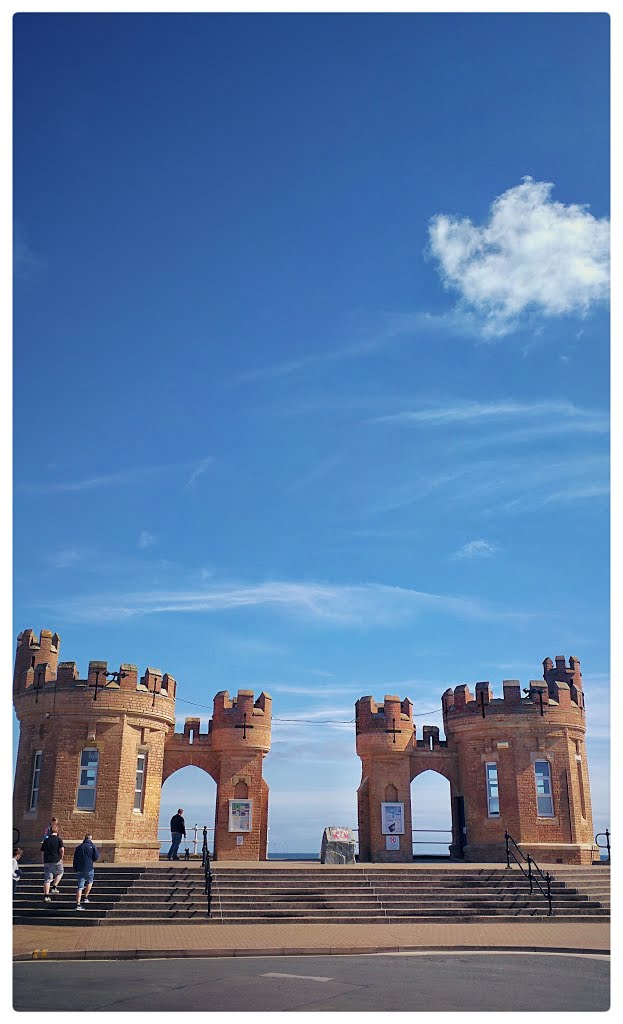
{"points": [[94, 753], [515, 763], [231, 751], [90, 750]]}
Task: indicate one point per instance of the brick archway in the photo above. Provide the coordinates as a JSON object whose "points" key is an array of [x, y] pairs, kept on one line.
{"points": [[444, 837], [124, 722], [231, 752]]}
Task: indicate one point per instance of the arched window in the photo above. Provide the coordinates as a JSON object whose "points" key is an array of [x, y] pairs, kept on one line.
{"points": [[87, 782]]}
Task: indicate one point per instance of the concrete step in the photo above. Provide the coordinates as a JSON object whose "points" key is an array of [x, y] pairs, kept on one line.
{"points": [[364, 895], [361, 907]]}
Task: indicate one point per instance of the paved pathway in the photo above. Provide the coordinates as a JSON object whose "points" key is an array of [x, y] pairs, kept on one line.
{"points": [[132, 941]]}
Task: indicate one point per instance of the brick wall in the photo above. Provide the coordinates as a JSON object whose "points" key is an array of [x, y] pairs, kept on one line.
{"points": [[514, 732], [59, 716]]}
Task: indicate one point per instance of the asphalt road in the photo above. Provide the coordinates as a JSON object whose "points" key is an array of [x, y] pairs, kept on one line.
{"points": [[439, 981]]}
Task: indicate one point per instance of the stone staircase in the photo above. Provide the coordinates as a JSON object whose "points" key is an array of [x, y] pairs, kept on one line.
{"points": [[363, 894], [111, 885]]}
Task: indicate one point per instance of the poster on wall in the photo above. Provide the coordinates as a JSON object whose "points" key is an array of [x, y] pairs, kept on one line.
{"points": [[392, 819], [392, 842], [240, 815]]}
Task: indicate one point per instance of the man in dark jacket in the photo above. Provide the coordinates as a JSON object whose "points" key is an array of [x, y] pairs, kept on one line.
{"points": [[178, 831], [52, 849], [85, 856]]}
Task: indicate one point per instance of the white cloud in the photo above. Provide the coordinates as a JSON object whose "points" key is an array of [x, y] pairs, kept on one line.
{"points": [[477, 549], [578, 493], [533, 254], [372, 604], [199, 469], [146, 539], [24, 259], [562, 414], [65, 558], [126, 476]]}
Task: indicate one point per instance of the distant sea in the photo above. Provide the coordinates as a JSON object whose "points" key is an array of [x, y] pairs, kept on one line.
{"points": [[294, 856]]}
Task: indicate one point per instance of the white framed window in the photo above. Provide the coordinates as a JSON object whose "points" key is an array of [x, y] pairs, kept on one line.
{"points": [[493, 796], [34, 786], [87, 782], [139, 785], [543, 780]]}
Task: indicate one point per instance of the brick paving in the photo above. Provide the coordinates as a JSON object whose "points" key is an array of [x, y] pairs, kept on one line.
{"points": [[111, 942]]}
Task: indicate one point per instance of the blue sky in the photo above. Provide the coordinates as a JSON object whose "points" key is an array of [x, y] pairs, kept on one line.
{"points": [[311, 366]]}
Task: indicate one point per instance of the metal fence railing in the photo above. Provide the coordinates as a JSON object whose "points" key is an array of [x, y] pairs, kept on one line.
{"points": [[193, 841]]}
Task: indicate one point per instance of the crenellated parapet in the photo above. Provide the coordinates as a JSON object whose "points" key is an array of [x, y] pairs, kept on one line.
{"points": [[387, 726], [115, 722], [241, 722], [35, 656], [558, 674], [43, 686], [559, 692]]}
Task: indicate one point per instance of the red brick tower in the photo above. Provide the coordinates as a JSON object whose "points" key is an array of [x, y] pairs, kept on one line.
{"points": [[385, 739], [232, 752], [536, 748], [90, 750], [516, 764]]}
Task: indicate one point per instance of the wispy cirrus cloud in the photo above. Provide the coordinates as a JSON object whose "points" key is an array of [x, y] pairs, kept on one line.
{"points": [[533, 254], [199, 470], [25, 260], [65, 558], [367, 604], [501, 484], [477, 549], [391, 327], [129, 476], [574, 493], [146, 539], [563, 416], [92, 483]]}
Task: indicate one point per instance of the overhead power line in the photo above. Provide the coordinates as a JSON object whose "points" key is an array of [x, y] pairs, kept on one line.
{"points": [[308, 721]]}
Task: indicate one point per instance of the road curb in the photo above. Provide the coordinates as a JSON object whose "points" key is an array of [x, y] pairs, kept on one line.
{"points": [[172, 954]]}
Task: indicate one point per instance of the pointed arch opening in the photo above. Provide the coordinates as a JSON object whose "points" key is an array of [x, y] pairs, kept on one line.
{"points": [[194, 790], [431, 815]]}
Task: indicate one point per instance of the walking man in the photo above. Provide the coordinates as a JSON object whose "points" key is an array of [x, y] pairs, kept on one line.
{"points": [[178, 831], [52, 849], [17, 874], [85, 856]]}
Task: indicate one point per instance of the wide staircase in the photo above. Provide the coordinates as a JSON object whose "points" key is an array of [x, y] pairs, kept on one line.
{"points": [[361, 894]]}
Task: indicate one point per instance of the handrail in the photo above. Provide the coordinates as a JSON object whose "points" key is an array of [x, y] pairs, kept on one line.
{"points": [[531, 864], [207, 870], [607, 835]]}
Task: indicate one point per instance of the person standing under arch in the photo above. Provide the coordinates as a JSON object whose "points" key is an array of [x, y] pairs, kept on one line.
{"points": [[178, 832]]}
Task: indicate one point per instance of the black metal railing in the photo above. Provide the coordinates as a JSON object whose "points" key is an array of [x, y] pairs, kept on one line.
{"points": [[530, 873], [430, 842], [207, 870], [607, 846]]}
